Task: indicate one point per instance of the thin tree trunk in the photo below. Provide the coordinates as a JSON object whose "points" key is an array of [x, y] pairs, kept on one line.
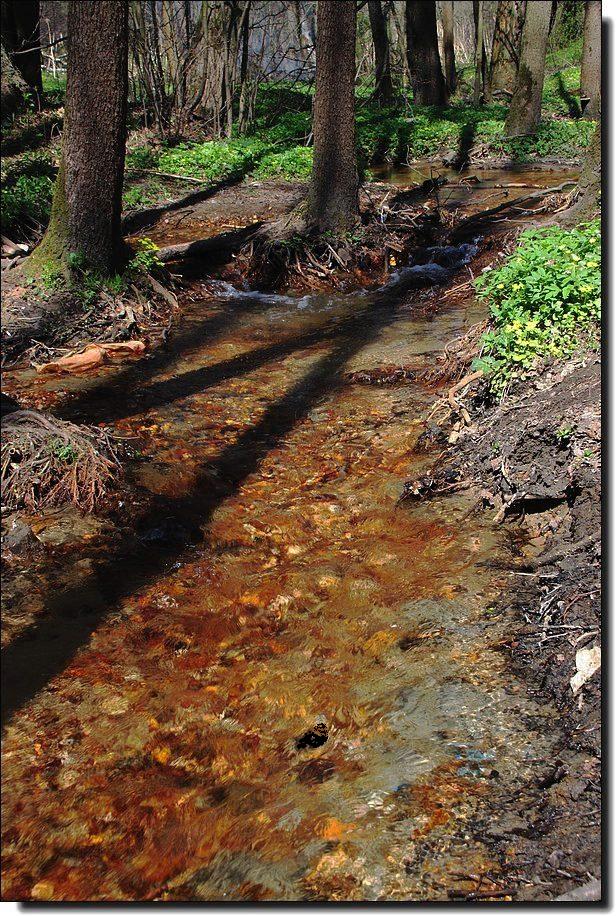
{"points": [[87, 203], [20, 21], [479, 89], [506, 44], [525, 110], [422, 50], [333, 198], [590, 81], [448, 45], [378, 24]]}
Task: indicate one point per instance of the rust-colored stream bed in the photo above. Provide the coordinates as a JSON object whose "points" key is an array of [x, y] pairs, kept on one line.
{"points": [[277, 683]]}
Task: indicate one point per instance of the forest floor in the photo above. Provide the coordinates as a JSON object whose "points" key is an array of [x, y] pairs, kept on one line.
{"points": [[271, 437]]}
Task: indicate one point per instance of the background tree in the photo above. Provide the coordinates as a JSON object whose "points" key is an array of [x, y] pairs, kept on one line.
{"points": [[13, 86], [20, 37], [422, 49], [449, 56], [525, 110], [479, 86], [590, 79], [87, 202], [505, 55], [333, 197], [378, 25]]}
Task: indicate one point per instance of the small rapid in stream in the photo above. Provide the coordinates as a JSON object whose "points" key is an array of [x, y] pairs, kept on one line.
{"points": [[276, 684]]}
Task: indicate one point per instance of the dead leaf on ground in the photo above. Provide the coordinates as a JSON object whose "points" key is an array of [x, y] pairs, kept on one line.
{"points": [[587, 661]]}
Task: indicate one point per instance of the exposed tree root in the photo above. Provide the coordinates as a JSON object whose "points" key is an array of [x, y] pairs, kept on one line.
{"points": [[47, 462]]}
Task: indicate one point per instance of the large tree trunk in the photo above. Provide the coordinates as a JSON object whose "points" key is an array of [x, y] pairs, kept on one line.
{"points": [[87, 204], [588, 201], [333, 197], [422, 49], [20, 36], [525, 111], [590, 81], [506, 44], [378, 25], [448, 45]]}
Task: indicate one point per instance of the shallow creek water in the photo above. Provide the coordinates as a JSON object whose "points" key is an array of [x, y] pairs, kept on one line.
{"points": [[282, 685]]}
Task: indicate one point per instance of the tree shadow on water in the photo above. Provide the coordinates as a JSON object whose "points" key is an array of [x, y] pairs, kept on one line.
{"points": [[71, 616], [465, 145]]}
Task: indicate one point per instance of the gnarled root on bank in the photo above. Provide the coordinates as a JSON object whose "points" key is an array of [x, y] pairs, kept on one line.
{"points": [[46, 462]]}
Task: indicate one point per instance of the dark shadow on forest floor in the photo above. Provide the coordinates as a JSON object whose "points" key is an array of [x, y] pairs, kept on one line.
{"points": [[143, 219]]}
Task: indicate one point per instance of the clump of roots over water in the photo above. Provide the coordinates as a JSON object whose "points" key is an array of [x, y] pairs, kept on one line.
{"points": [[48, 462], [286, 253]]}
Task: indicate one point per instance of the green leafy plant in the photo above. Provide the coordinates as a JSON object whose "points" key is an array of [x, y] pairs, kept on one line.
{"points": [[146, 258], [564, 433], [542, 299]]}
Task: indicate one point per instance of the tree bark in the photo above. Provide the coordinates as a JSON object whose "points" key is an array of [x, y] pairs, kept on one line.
{"points": [[525, 110], [588, 202], [13, 86], [333, 198], [506, 44], [590, 82], [21, 39], [422, 50], [480, 84], [87, 203], [448, 45], [378, 24]]}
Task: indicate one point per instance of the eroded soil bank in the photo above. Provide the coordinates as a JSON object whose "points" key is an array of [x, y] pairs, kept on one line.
{"points": [[258, 676]]}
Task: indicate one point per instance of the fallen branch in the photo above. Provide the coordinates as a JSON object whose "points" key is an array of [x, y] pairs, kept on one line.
{"points": [[168, 175], [215, 245]]}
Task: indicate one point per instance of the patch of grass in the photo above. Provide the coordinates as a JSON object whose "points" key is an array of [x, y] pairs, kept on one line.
{"points": [[144, 194], [295, 162], [54, 89], [542, 300]]}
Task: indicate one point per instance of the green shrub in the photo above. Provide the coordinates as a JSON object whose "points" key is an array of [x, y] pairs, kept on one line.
{"points": [[143, 157], [145, 260], [546, 294]]}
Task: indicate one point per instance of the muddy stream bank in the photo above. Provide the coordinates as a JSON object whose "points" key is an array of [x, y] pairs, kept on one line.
{"points": [[273, 682]]}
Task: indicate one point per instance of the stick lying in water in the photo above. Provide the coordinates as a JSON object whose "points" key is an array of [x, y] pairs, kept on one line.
{"points": [[478, 218]]}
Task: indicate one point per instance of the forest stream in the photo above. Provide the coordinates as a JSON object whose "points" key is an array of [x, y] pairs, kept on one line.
{"points": [[277, 683]]}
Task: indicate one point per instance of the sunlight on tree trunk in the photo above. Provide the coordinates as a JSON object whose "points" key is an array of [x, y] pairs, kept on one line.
{"points": [[525, 110], [590, 80], [506, 44]]}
